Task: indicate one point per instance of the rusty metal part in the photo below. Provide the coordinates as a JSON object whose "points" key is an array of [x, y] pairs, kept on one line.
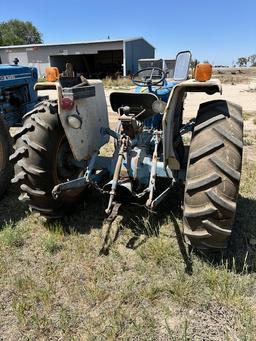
{"points": [[139, 114], [160, 198], [110, 230], [124, 143], [153, 173]]}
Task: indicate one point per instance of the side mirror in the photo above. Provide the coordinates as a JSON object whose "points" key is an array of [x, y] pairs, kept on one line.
{"points": [[183, 60]]}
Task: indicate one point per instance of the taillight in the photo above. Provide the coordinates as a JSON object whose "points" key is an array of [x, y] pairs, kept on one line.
{"points": [[67, 103]]}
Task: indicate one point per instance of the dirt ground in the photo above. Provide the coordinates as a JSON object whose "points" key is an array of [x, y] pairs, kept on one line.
{"points": [[238, 93]]}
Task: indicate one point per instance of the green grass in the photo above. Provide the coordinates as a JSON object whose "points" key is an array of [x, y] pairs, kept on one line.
{"points": [[51, 245], [54, 285], [11, 237]]}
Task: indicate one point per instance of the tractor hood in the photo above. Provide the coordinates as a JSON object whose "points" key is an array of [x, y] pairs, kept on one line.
{"points": [[11, 75]]}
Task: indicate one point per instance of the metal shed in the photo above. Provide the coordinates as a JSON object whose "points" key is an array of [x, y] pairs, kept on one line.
{"points": [[167, 65], [94, 59]]}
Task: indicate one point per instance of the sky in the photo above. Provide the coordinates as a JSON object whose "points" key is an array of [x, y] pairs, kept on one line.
{"points": [[217, 31]]}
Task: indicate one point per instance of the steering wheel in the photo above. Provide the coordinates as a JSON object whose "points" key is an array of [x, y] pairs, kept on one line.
{"points": [[149, 80]]}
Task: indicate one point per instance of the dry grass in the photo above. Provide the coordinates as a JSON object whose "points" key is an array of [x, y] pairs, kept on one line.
{"points": [[119, 83], [110, 82], [235, 75], [247, 115], [249, 139], [53, 284]]}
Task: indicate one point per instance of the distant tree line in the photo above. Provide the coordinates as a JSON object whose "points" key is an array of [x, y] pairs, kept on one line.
{"points": [[243, 61], [18, 32]]}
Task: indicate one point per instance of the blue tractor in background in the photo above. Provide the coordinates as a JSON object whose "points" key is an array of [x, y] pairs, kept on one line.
{"points": [[17, 97]]}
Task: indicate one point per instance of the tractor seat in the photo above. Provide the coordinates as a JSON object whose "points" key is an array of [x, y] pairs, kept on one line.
{"points": [[136, 101]]}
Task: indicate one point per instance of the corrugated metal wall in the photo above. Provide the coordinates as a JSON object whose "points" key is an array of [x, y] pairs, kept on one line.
{"points": [[135, 50], [40, 56]]}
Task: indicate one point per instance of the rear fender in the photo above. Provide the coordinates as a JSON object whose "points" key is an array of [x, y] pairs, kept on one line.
{"points": [[90, 107], [173, 116]]}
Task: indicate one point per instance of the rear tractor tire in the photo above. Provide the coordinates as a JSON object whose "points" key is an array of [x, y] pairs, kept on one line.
{"points": [[42, 160], [6, 169], [213, 175]]}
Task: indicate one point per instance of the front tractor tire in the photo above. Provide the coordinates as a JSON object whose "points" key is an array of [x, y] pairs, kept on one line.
{"points": [[42, 160], [6, 168], [213, 175]]}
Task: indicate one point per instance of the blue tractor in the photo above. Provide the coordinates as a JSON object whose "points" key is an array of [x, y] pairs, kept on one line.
{"points": [[17, 97], [153, 80], [58, 158]]}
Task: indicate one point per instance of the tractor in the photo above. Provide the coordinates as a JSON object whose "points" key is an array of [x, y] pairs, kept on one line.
{"points": [[58, 158], [17, 97]]}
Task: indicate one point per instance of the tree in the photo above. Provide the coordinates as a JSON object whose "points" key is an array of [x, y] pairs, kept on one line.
{"points": [[194, 63], [242, 61], [17, 32], [252, 59]]}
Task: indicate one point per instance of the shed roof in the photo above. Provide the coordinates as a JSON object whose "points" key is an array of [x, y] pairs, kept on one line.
{"points": [[76, 43]]}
